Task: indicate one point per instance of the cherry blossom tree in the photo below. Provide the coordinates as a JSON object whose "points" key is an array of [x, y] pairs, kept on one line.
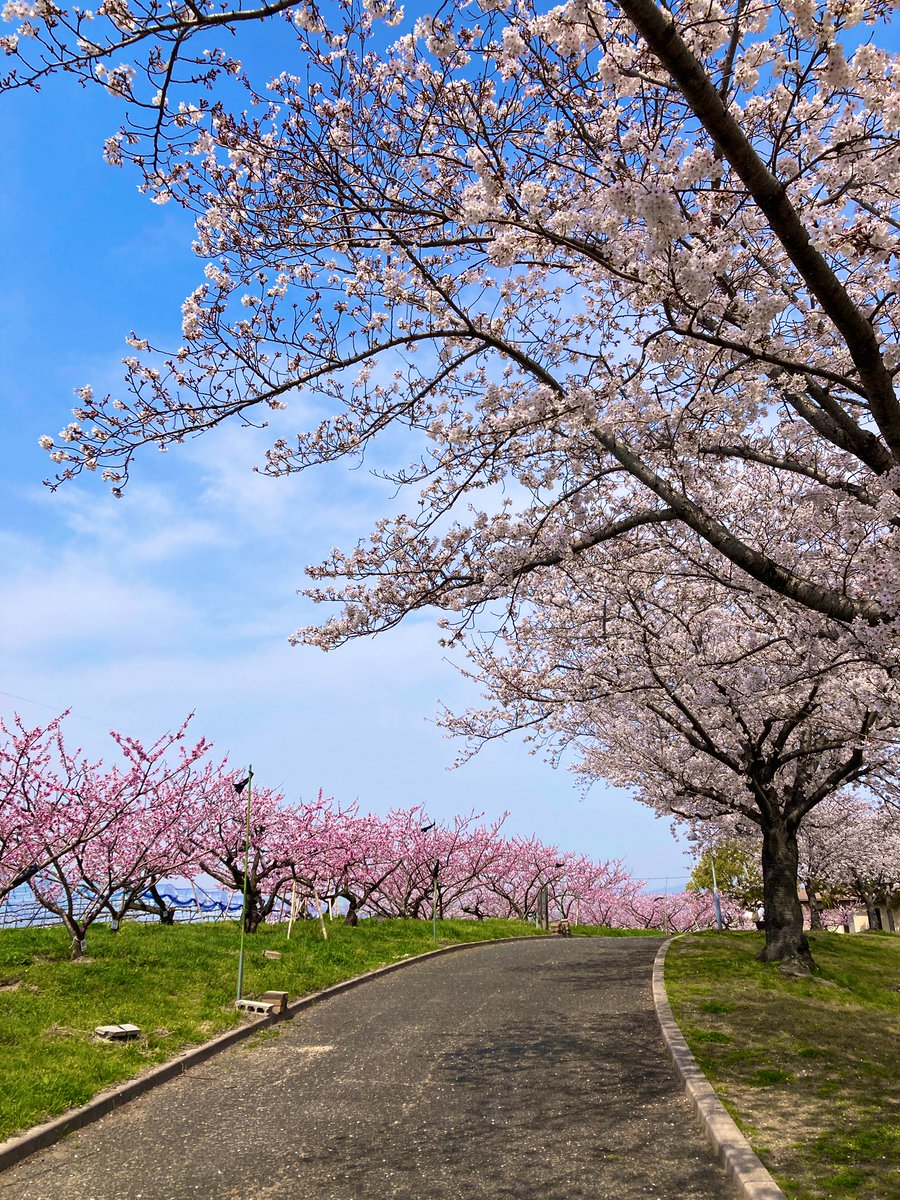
{"points": [[850, 848], [706, 699], [874, 876], [635, 266], [608, 254], [848, 855]]}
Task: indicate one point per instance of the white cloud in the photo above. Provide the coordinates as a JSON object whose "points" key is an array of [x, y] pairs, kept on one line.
{"points": [[182, 595], [147, 526], [71, 603]]}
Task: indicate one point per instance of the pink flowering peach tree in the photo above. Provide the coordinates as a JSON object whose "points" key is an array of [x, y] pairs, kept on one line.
{"points": [[284, 839], [454, 855], [93, 841], [36, 775], [112, 830]]}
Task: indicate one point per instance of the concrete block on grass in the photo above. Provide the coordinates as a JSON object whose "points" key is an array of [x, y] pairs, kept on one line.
{"points": [[117, 1033], [260, 1008], [278, 1000]]}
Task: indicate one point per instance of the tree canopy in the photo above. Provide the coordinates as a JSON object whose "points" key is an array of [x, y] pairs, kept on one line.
{"points": [[737, 872], [706, 700], [626, 263]]}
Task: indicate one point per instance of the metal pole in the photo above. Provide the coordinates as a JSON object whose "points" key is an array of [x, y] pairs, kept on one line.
{"points": [[666, 909], [434, 900], [240, 979]]}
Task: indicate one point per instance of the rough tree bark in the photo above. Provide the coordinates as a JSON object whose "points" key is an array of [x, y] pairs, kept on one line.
{"points": [[352, 915], [257, 910], [815, 911], [872, 913], [158, 907], [785, 940]]}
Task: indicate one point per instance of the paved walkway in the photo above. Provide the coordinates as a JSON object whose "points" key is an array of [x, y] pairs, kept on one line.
{"points": [[530, 1071]]}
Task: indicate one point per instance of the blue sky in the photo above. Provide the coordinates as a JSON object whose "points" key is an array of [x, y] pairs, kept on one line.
{"points": [[182, 595]]}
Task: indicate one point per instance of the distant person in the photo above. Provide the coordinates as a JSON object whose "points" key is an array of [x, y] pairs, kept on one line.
{"points": [[760, 917]]}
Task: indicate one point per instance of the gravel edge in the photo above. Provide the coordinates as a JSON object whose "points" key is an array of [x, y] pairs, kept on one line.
{"points": [[14, 1149], [735, 1153]]}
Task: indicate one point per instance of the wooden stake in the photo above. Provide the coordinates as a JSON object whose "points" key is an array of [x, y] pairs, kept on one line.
{"points": [[321, 914], [293, 907]]}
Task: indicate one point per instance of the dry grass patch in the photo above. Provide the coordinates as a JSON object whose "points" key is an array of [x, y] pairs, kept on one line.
{"points": [[809, 1068]]}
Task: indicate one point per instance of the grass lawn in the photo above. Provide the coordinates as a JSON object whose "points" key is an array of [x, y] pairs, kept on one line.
{"points": [[809, 1068], [178, 983]]}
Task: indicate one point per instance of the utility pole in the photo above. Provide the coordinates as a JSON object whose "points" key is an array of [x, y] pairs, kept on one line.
{"points": [[434, 898], [712, 863]]}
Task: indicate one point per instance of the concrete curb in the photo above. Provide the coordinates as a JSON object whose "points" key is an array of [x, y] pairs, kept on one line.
{"points": [[733, 1150], [14, 1149]]}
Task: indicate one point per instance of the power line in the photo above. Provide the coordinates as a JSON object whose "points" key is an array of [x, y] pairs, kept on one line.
{"points": [[52, 707]]}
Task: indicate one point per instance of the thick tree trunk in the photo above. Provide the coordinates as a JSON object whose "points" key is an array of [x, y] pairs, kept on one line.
{"points": [[815, 912], [352, 916], [254, 914], [874, 916], [785, 940]]}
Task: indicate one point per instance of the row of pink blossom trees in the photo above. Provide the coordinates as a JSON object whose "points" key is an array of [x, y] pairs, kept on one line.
{"points": [[93, 841]]}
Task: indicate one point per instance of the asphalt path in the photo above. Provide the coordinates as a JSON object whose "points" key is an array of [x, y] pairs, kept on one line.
{"points": [[533, 1070]]}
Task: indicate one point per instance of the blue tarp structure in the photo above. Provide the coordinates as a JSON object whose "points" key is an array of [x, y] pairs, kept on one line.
{"points": [[21, 909], [177, 900]]}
